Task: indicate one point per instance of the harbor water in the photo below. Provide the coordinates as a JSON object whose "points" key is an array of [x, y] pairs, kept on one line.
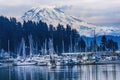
{"points": [[81, 72]]}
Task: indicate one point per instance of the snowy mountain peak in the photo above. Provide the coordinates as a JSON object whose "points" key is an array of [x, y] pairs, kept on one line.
{"points": [[50, 15], [47, 8], [53, 15]]}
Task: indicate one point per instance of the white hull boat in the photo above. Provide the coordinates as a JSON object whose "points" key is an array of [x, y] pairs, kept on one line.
{"points": [[24, 63], [42, 64]]}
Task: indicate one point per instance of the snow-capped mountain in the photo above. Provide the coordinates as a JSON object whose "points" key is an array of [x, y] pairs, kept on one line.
{"points": [[55, 16]]}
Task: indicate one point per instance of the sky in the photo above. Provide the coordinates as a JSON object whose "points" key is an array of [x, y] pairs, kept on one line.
{"points": [[99, 12]]}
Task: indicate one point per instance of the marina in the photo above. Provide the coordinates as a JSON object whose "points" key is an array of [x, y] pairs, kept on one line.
{"points": [[59, 40], [67, 59], [49, 57]]}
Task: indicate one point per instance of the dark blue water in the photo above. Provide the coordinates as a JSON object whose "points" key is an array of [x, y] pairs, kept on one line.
{"points": [[83, 72]]}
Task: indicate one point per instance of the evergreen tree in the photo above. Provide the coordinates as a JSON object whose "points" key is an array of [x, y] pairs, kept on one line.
{"points": [[104, 43], [81, 45], [13, 31]]}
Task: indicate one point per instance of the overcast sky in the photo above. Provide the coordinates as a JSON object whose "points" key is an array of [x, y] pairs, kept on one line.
{"points": [[101, 12]]}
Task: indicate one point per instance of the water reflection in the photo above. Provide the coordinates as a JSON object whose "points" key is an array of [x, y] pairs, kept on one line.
{"points": [[83, 72]]}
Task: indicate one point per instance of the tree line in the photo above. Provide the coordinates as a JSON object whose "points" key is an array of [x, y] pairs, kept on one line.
{"points": [[64, 39]]}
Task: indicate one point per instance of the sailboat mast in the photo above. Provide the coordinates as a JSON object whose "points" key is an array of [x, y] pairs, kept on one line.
{"points": [[23, 51], [9, 47], [31, 45], [63, 46], [36, 48], [94, 43], [80, 43], [45, 47], [51, 48], [71, 44], [19, 49]]}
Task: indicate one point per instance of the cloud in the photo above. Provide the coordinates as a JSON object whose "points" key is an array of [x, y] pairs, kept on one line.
{"points": [[16, 2], [99, 13], [11, 11]]}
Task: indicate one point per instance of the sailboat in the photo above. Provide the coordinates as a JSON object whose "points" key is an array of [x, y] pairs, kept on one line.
{"points": [[90, 57], [19, 49], [52, 61], [41, 61], [23, 60], [8, 60]]}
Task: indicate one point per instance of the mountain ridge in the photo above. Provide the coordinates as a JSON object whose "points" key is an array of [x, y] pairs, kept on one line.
{"points": [[54, 16]]}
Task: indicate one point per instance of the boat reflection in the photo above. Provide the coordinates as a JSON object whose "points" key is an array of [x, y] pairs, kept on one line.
{"points": [[83, 72]]}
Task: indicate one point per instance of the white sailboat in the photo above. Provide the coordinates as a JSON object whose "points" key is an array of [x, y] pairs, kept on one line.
{"points": [[8, 59], [24, 61], [52, 61], [41, 61]]}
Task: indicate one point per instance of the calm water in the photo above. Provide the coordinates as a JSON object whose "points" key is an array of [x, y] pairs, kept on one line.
{"points": [[84, 72]]}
